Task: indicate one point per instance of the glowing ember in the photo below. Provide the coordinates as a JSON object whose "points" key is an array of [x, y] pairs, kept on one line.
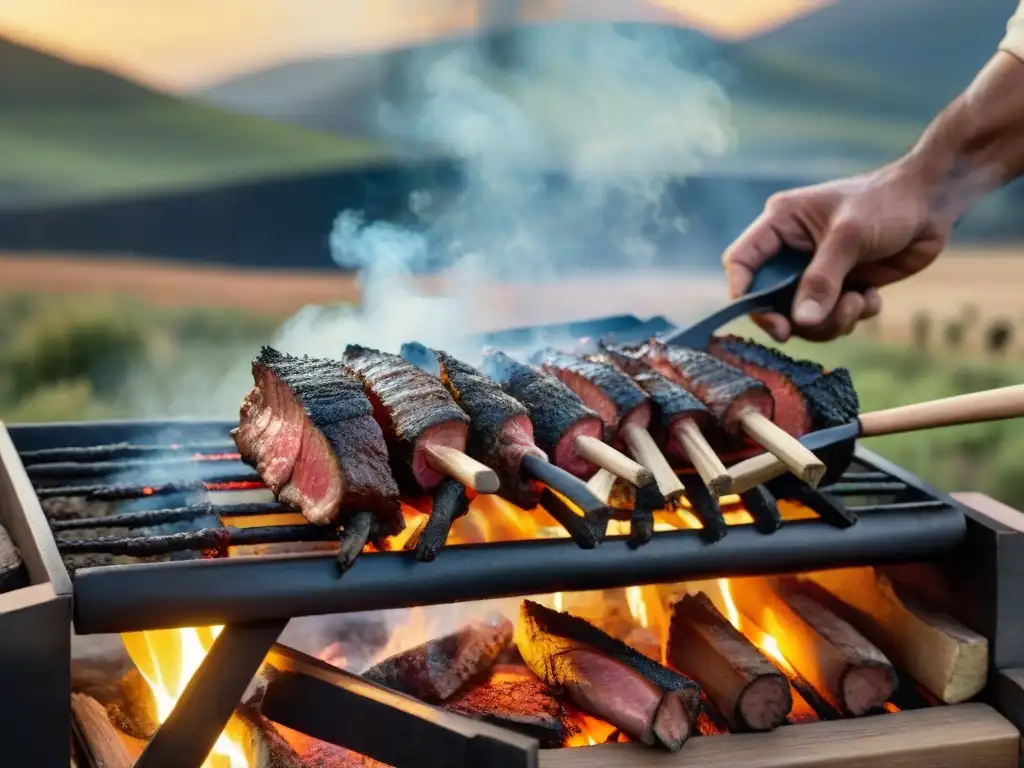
{"points": [[167, 659]]}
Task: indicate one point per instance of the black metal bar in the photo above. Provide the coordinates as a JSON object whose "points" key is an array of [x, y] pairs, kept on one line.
{"points": [[147, 518], [186, 737], [831, 510], [899, 506], [450, 503], [865, 488], [216, 539], [140, 491], [574, 489], [185, 468], [762, 507], [579, 529], [116, 451], [706, 508], [856, 476], [198, 593], [71, 434], [324, 702]]}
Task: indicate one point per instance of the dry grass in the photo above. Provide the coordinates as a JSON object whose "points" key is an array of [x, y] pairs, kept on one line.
{"points": [[987, 278]]}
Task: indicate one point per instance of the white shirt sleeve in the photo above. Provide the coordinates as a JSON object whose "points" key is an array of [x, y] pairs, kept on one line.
{"points": [[1013, 42]]}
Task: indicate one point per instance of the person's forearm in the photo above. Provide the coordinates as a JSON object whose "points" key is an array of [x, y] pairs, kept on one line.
{"points": [[976, 144]]}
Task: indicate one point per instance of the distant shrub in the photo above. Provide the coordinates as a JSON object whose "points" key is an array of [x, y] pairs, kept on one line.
{"points": [[998, 337], [969, 314], [955, 332], [210, 325], [89, 342], [921, 331], [66, 401]]}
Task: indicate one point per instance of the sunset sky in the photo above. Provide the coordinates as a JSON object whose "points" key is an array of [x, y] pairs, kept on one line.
{"points": [[182, 44]]}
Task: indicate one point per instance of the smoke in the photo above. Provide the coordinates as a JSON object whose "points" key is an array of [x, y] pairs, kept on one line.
{"points": [[570, 140]]}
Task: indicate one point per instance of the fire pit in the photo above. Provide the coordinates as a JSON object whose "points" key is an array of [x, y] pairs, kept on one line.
{"points": [[149, 528]]}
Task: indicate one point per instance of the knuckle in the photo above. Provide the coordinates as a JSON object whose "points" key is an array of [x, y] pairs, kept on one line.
{"points": [[818, 283], [779, 202]]}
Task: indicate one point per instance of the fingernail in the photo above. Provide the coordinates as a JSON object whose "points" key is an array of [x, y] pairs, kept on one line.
{"points": [[808, 312]]}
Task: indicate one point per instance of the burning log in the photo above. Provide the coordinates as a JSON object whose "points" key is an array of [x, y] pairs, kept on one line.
{"points": [[742, 405], [98, 736], [148, 518], [425, 430], [10, 557], [514, 698], [740, 681], [607, 678], [564, 427], [836, 659], [946, 657], [439, 668]]}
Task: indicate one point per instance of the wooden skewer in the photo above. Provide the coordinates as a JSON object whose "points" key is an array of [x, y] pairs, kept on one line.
{"points": [[990, 405], [647, 452], [788, 449], [458, 466], [606, 457], [973, 408], [703, 457], [602, 484]]}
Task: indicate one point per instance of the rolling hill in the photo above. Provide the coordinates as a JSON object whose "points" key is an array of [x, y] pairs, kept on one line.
{"points": [[69, 131], [782, 107], [932, 47]]}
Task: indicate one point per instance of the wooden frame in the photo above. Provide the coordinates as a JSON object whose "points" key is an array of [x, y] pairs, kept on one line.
{"points": [[941, 737], [35, 629]]}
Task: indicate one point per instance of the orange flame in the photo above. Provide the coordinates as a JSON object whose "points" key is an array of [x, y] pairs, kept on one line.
{"points": [[167, 659]]}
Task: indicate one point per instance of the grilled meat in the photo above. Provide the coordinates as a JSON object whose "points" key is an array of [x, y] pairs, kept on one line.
{"points": [[671, 400], [616, 398], [806, 395], [500, 430], [557, 413], [725, 390], [439, 668], [413, 409], [606, 677], [308, 429]]}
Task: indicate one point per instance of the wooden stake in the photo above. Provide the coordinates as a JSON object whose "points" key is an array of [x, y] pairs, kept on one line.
{"points": [[833, 657], [941, 654], [467, 470], [105, 745], [602, 484], [647, 452], [606, 457], [990, 405], [703, 457], [800, 460]]}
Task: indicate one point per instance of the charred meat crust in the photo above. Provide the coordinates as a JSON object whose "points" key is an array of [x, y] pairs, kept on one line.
{"points": [[724, 389], [554, 408], [830, 396], [408, 402], [671, 401], [440, 668], [620, 394], [327, 455], [500, 430]]}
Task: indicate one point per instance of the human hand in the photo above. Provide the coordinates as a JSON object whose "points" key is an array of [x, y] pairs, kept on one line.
{"points": [[875, 229]]}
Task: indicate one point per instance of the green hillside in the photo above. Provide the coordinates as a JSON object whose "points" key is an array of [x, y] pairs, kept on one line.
{"points": [[68, 131]]}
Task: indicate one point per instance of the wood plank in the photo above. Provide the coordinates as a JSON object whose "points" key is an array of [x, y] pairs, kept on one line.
{"points": [[942, 737], [24, 520]]}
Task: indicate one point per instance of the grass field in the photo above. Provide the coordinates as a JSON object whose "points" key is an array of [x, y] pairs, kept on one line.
{"points": [[68, 131], [116, 340]]}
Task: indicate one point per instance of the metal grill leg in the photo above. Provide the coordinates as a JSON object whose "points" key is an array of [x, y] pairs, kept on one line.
{"points": [[185, 739]]}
